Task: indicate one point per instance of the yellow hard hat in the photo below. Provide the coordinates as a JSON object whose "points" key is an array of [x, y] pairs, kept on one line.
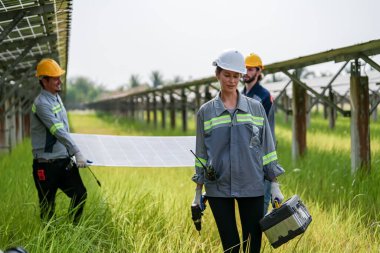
{"points": [[49, 67], [253, 60]]}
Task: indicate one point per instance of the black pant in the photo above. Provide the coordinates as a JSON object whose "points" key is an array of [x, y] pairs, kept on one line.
{"points": [[51, 176], [251, 211]]}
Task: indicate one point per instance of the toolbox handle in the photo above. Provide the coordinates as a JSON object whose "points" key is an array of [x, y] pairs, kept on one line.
{"points": [[277, 204]]}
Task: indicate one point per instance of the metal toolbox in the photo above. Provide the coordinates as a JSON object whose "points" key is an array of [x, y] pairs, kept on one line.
{"points": [[286, 222]]}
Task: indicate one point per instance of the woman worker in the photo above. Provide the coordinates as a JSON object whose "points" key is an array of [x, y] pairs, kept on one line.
{"points": [[234, 139]]}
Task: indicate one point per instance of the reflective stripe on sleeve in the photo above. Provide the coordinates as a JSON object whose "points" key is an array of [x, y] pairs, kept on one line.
{"points": [[198, 164], [269, 157], [57, 108], [34, 108], [55, 127]]}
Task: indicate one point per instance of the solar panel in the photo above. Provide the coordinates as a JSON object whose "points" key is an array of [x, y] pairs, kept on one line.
{"points": [[137, 151]]}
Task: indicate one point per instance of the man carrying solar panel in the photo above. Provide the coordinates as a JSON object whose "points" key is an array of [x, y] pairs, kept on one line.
{"points": [[52, 146]]}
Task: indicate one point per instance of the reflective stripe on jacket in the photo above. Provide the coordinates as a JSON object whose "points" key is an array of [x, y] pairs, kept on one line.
{"points": [[50, 131], [238, 145]]}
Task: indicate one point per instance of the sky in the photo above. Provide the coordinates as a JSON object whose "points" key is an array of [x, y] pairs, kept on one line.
{"points": [[111, 40]]}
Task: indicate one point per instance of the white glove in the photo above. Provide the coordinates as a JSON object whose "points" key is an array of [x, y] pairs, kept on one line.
{"points": [[276, 193], [80, 160], [197, 197]]}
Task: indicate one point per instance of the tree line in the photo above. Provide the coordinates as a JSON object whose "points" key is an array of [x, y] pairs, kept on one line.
{"points": [[82, 89]]}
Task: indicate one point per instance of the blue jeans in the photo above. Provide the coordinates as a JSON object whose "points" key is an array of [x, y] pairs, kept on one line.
{"points": [[267, 195]]}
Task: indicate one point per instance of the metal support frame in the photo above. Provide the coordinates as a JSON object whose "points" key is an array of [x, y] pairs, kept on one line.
{"points": [[296, 80], [24, 43], [370, 62], [147, 99], [172, 111], [163, 110], [374, 106], [15, 87], [26, 94], [360, 141], [214, 87], [299, 123], [184, 110], [327, 86], [36, 10], [11, 68], [278, 105], [282, 91], [154, 109], [16, 19]]}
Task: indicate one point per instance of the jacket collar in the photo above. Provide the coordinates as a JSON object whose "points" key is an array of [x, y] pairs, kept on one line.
{"points": [[242, 103], [255, 88], [49, 95]]}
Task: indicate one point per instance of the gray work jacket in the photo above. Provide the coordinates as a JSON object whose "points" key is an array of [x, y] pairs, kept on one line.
{"points": [[239, 146], [50, 131]]}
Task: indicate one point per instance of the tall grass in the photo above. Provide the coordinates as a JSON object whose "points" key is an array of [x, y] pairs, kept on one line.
{"points": [[147, 209], [102, 123], [325, 172]]}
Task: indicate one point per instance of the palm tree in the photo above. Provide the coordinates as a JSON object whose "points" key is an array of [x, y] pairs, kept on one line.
{"points": [[156, 78], [177, 79], [134, 81]]}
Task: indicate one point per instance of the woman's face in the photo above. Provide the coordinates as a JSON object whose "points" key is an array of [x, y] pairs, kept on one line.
{"points": [[228, 80]]}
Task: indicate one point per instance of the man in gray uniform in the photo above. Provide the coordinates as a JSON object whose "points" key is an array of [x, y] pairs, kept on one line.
{"points": [[53, 147]]}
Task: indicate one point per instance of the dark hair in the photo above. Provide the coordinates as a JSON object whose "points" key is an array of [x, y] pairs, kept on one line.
{"points": [[261, 76], [40, 80], [218, 70]]}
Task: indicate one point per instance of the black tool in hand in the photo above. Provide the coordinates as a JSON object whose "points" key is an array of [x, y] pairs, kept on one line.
{"points": [[88, 167], [197, 212]]}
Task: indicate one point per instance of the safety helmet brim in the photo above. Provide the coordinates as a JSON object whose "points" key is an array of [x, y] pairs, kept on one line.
{"points": [[229, 67]]}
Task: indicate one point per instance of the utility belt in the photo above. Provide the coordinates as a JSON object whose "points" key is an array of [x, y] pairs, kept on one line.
{"points": [[42, 160]]}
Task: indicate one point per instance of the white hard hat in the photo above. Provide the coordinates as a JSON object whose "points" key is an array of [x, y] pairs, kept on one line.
{"points": [[231, 60]]}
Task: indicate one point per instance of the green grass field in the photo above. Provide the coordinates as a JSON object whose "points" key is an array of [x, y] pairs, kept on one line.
{"points": [[148, 209]]}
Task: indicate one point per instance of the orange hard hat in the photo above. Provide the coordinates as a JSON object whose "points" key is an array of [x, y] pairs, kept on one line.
{"points": [[253, 60], [49, 67]]}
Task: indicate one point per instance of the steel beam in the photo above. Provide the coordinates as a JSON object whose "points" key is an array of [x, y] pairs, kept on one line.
{"points": [[370, 62], [14, 88], [337, 55], [184, 110], [36, 10], [16, 19], [277, 104], [10, 69], [282, 91], [327, 86], [374, 106], [299, 82]]}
